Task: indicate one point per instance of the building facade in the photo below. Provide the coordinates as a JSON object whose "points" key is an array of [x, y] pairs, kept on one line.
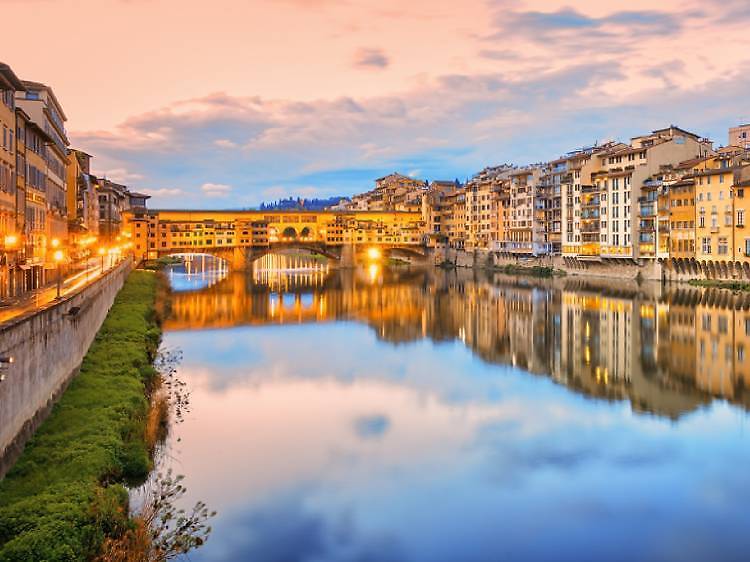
{"points": [[740, 136], [11, 235]]}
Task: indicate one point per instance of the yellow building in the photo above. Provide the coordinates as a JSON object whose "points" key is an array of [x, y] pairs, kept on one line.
{"points": [[32, 141], [484, 207], [741, 223], [82, 202], [40, 104], [10, 234], [714, 230]]}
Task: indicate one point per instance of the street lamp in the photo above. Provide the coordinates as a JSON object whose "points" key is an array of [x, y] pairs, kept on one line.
{"points": [[10, 245], [102, 252], [55, 242], [58, 255]]}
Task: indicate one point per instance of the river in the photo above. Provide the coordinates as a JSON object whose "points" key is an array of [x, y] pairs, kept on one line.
{"points": [[425, 415]]}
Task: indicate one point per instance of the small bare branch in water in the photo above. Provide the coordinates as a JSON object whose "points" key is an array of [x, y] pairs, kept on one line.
{"points": [[161, 529]]}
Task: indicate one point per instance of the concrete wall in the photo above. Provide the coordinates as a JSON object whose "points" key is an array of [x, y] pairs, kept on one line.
{"points": [[47, 348]]}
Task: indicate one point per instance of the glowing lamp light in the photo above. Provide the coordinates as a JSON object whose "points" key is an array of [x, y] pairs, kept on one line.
{"points": [[373, 254], [58, 255], [102, 251], [11, 240], [55, 242]]}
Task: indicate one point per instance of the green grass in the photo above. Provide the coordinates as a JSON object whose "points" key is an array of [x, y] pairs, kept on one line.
{"points": [[719, 284], [160, 263], [533, 271], [65, 493]]}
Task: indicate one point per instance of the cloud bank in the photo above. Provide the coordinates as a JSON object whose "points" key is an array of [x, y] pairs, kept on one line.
{"points": [[540, 78]]}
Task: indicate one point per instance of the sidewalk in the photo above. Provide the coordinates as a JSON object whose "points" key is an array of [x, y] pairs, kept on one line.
{"points": [[34, 300]]}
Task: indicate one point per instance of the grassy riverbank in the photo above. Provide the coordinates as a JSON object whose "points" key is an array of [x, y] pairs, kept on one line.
{"points": [[720, 284], [64, 495], [532, 271]]}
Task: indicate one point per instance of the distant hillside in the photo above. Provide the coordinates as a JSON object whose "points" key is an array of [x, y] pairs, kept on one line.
{"points": [[299, 204]]}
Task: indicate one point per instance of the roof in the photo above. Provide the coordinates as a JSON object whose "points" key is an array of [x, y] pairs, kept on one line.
{"points": [[676, 128], [692, 162], [9, 78], [31, 85], [79, 151], [716, 171], [682, 183], [137, 194]]}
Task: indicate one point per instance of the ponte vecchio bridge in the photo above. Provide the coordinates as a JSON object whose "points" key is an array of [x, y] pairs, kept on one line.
{"points": [[240, 237]]}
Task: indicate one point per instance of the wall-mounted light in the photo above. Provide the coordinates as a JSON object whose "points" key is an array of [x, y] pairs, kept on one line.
{"points": [[5, 362]]}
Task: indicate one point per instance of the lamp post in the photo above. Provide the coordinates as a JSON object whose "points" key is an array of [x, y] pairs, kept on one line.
{"points": [[10, 244], [102, 252], [58, 255]]}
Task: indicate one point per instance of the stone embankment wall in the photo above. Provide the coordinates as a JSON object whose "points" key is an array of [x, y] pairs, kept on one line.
{"points": [[47, 347], [612, 269]]}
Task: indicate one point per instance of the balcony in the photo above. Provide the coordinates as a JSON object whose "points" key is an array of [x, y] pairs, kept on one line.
{"points": [[594, 202], [648, 211]]}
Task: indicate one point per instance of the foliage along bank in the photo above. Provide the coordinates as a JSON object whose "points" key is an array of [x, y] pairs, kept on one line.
{"points": [[65, 494]]}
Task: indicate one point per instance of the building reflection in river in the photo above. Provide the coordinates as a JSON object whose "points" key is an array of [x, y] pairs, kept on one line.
{"points": [[667, 352]]}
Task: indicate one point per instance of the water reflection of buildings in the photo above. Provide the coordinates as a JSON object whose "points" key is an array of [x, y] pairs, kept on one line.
{"points": [[667, 353]]}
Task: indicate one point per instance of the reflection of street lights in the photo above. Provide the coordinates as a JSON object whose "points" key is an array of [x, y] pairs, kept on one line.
{"points": [[58, 255], [102, 252], [374, 254]]}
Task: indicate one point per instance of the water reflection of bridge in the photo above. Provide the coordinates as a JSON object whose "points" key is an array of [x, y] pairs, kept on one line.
{"points": [[665, 352]]}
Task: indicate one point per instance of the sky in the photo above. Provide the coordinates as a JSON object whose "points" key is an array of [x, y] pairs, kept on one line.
{"points": [[228, 103]]}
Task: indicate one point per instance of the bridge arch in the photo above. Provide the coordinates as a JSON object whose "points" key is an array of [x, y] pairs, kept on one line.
{"points": [[289, 233], [318, 249]]}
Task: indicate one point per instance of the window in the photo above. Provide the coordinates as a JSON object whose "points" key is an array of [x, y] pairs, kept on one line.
{"points": [[723, 247], [741, 217], [706, 245]]}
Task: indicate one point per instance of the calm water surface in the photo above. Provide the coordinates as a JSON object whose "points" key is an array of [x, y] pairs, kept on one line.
{"points": [[408, 415]]}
